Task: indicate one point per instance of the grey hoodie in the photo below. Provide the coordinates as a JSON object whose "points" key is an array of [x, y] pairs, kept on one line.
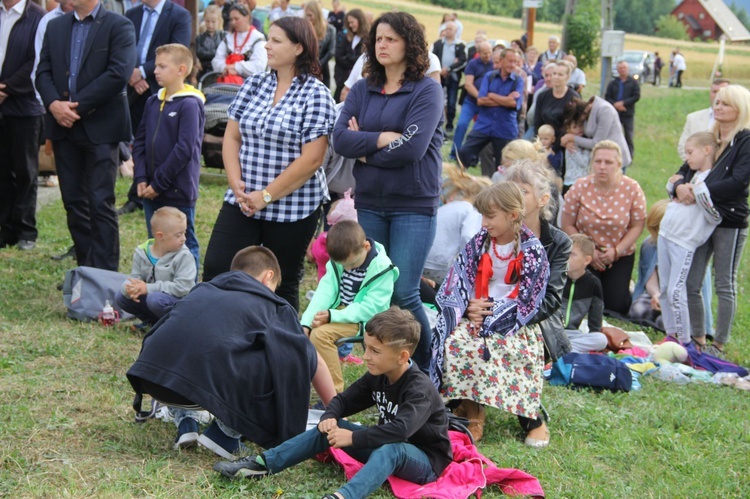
{"points": [[173, 274]]}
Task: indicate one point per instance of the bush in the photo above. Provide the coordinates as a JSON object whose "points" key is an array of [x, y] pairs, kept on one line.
{"points": [[668, 26], [582, 35]]}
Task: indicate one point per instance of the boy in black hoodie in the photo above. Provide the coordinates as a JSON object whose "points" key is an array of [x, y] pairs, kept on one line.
{"points": [[411, 438]]}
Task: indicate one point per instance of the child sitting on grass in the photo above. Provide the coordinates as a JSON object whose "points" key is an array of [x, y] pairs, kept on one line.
{"points": [[358, 284], [411, 438], [583, 296], [163, 269], [235, 349]]}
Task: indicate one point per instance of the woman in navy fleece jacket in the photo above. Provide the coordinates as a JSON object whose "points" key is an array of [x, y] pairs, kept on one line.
{"points": [[391, 123]]}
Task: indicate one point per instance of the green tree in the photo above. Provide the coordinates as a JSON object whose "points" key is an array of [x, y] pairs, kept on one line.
{"points": [[582, 32], [741, 14], [639, 16], [668, 26]]}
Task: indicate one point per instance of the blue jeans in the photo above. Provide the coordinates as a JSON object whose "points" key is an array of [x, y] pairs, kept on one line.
{"points": [[403, 460], [150, 308], [407, 238], [191, 241], [468, 111]]}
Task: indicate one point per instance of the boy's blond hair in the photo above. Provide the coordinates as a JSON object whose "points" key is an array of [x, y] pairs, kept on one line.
{"points": [[654, 216], [180, 55], [345, 239], [546, 130], [396, 328], [584, 243], [165, 217], [254, 260]]}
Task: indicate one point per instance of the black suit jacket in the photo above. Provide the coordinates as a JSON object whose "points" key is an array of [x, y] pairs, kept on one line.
{"points": [[106, 66], [631, 93], [173, 26]]}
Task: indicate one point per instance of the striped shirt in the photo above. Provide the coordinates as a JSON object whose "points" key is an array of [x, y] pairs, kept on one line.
{"points": [[351, 280]]}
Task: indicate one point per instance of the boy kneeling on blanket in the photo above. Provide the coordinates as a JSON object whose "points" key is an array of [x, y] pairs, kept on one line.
{"points": [[411, 438]]}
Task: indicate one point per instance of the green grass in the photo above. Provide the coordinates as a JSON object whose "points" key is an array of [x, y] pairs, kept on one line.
{"points": [[67, 428]]}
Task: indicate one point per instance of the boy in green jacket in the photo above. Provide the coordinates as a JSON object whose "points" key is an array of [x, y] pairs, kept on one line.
{"points": [[358, 284]]}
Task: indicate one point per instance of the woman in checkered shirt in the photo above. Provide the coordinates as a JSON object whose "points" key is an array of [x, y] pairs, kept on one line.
{"points": [[391, 123], [276, 139]]}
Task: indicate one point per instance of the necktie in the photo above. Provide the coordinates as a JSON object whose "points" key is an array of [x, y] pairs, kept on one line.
{"points": [[145, 36]]}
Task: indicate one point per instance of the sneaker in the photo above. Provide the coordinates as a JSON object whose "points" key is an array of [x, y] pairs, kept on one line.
{"points": [[713, 350], [351, 359], [187, 434], [220, 443], [247, 467]]}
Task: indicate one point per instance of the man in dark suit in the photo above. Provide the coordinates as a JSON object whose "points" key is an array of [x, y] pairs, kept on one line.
{"points": [[623, 92], [20, 125], [157, 23], [452, 54], [86, 60]]}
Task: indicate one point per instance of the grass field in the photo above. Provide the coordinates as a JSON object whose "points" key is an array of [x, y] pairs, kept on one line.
{"points": [[66, 425]]}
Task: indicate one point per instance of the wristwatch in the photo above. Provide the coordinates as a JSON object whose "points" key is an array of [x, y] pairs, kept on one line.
{"points": [[267, 198]]}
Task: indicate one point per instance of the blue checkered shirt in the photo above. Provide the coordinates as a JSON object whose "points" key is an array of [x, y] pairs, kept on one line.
{"points": [[273, 136]]}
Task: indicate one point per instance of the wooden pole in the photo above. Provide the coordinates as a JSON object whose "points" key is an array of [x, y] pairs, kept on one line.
{"points": [[530, 20]]}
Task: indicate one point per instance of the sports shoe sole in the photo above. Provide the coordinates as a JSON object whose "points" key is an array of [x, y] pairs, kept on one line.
{"points": [[187, 441], [241, 473], [217, 449]]}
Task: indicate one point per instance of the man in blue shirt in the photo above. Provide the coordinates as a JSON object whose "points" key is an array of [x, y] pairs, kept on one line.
{"points": [[499, 100], [475, 71]]}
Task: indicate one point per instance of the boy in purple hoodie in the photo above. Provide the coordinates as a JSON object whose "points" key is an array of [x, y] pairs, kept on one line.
{"points": [[167, 146]]}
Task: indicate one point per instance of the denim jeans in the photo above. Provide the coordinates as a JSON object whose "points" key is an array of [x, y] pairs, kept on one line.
{"points": [[451, 93], [403, 460], [468, 111], [191, 241], [150, 308], [407, 238]]}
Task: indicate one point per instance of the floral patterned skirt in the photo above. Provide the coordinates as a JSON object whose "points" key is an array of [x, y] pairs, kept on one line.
{"points": [[510, 380]]}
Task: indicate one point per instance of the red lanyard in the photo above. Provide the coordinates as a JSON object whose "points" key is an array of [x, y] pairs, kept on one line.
{"points": [[239, 50]]}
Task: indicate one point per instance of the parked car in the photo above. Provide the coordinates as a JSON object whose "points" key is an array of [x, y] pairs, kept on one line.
{"points": [[641, 64]]}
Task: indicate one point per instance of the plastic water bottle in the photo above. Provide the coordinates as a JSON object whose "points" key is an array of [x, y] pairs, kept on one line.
{"points": [[107, 317]]}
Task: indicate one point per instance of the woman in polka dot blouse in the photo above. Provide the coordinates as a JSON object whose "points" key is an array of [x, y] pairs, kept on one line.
{"points": [[611, 209]]}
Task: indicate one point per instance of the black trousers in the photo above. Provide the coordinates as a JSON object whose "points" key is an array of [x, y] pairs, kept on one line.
{"points": [[87, 175], [19, 168], [616, 284], [628, 124], [473, 145], [234, 231]]}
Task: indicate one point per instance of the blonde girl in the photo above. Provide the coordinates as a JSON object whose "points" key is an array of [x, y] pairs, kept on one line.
{"points": [[211, 35], [457, 220], [483, 352]]}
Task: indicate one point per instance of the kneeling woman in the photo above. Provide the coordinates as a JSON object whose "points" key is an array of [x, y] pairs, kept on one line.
{"points": [[483, 351]]}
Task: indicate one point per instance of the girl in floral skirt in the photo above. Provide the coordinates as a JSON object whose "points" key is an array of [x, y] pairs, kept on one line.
{"points": [[482, 351]]}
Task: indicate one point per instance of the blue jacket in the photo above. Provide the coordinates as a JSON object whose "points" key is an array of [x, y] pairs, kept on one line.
{"points": [[405, 175], [499, 121], [18, 63], [167, 147]]}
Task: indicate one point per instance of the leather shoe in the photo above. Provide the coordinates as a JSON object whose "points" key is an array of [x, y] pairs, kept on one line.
{"points": [[128, 207], [71, 253], [26, 245]]}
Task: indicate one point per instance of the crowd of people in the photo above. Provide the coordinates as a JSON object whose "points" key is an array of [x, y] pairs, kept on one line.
{"points": [[513, 260]]}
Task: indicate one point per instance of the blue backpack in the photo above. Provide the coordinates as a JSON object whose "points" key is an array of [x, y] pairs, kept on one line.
{"points": [[591, 370]]}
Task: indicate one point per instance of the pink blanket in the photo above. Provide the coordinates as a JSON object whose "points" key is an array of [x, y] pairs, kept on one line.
{"points": [[468, 474]]}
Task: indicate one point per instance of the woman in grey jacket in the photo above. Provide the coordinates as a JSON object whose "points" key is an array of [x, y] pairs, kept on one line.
{"points": [[601, 122]]}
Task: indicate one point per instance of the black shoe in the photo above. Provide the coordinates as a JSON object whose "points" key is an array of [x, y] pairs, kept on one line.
{"points": [[71, 253], [187, 434], [247, 467], [128, 207]]}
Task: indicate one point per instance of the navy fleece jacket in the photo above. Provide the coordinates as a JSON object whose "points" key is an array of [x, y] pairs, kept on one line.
{"points": [[167, 147], [404, 175]]}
